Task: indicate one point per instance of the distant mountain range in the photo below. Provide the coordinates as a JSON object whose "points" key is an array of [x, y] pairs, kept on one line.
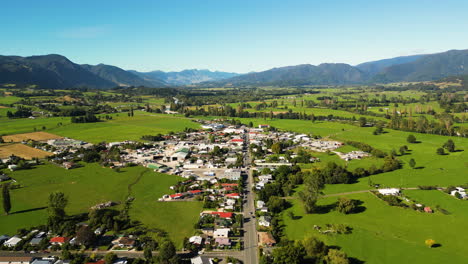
{"points": [[58, 72], [401, 69], [185, 77]]}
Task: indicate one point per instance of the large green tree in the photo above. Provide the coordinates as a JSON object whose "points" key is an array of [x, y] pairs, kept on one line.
{"points": [[336, 256], [56, 206], [167, 253], [311, 192], [449, 145], [6, 199], [291, 253], [346, 205], [314, 247]]}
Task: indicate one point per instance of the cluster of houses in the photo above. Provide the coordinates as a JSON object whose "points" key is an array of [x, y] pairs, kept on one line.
{"points": [[205, 154], [49, 260], [219, 234], [356, 154], [37, 238]]}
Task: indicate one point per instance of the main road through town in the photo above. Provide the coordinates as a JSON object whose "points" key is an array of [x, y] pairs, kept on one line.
{"points": [[250, 228]]}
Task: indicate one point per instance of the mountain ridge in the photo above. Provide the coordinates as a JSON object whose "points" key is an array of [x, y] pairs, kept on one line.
{"points": [[57, 72]]}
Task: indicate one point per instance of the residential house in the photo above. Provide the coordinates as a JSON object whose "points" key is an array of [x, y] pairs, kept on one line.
{"points": [[260, 204], [428, 209], [264, 221], [59, 240], [44, 261], [15, 260], [233, 195], [200, 260], [223, 242], [124, 242], [36, 241], [227, 215], [221, 232], [196, 240], [12, 242]]}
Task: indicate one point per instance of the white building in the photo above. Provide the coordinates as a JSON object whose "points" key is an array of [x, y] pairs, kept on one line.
{"points": [[12, 242], [389, 191], [264, 221], [459, 190], [221, 232], [197, 240], [200, 260]]}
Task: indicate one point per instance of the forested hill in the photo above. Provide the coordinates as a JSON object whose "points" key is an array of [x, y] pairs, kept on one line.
{"points": [[410, 68]]}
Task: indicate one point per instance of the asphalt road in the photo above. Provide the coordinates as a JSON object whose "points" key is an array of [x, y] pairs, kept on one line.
{"points": [[250, 228]]}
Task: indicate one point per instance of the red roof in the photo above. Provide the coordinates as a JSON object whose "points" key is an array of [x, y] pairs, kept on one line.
{"points": [[58, 239], [223, 214], [97, 262], [175, 195], [195, 191], [232, 195], [228, 188], [237, 140], [427, 209]]}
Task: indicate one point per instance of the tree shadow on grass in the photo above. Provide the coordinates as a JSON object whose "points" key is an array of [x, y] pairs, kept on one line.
{"points": [[359, 207], [30, 210], [297, 217], [324, 209], [436, 245], [419, 168], [356, 261]]}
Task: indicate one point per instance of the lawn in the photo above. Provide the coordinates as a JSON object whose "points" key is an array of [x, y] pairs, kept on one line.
{"points": [[7, 100], [385, 234], [120, 128], [177, 218], [92, 184]]}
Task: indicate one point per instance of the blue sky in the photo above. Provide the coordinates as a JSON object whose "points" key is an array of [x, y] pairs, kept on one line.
{"points": [[240, 35]]}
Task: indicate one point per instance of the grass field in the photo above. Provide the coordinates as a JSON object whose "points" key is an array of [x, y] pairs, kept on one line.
{"points": [[120, 128], [6, 100], [90, 185], [385, 234], [23, 151], [37, 136], [177, 218]]}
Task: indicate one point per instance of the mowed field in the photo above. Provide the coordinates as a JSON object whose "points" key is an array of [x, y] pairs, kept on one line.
{"points": [[91, 185], [386, 234], [120, 128], [23, 151], [37, 136]]}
